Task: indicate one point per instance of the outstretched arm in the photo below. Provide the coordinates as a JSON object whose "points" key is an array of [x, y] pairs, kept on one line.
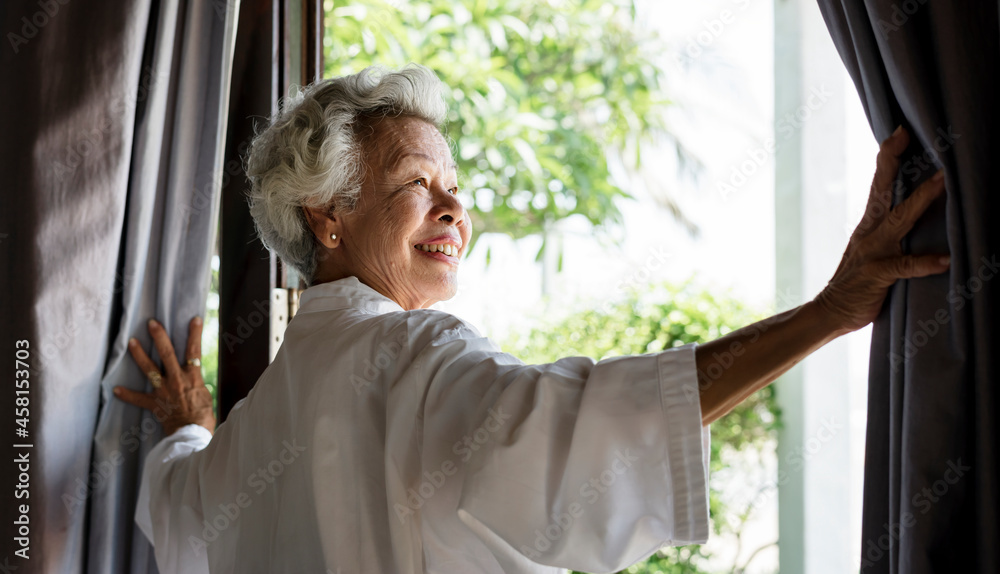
{"points": [[733, 367]]}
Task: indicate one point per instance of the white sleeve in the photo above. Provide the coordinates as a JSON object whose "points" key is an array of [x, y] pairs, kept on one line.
{"points": [[590, 466], [166, 508]]}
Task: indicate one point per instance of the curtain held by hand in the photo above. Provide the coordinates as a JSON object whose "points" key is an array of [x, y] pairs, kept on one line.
{"points": [[931, 485], [113, 130]]}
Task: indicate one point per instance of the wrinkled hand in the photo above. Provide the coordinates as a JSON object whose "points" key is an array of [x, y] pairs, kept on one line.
{"points": [[181, 397], [874, 259]]}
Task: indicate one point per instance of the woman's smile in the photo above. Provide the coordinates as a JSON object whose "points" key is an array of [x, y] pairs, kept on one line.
{"points": [[446, 248]]}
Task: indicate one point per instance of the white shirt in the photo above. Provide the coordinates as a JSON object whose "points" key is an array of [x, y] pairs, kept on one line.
{"points": [[383, 440]]}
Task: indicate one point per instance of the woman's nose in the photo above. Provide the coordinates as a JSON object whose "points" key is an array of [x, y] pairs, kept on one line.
{"points": [[448, 208]]}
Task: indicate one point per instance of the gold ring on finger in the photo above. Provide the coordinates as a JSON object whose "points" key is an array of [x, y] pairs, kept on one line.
{"points": [[195, 362], [155, 378]]}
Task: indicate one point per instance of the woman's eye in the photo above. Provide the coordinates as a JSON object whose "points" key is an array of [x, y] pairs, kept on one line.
{"points": [[453, 191], [419, 182]]}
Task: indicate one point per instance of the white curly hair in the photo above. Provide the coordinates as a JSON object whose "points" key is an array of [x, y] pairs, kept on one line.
{"points": [[310, 156]]}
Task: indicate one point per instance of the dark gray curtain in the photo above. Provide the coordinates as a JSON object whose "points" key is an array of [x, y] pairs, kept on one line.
{"points": [[112, 122], [931, 484]]}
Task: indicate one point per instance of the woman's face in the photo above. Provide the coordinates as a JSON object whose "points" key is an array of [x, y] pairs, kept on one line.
{"points": [[409, 231]]}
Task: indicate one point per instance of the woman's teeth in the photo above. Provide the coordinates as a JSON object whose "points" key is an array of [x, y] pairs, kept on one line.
{"points": [[449, 250]]}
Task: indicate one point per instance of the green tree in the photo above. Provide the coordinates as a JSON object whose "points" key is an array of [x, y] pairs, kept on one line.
{"points": [[665, 317], [540, 92]]}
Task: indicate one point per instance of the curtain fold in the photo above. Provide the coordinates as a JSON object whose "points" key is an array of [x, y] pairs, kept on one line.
{"points": [[112, 144], [931, 485]]}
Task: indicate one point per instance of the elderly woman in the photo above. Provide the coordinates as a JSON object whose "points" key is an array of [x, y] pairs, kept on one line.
{"points": [[389, 437]]}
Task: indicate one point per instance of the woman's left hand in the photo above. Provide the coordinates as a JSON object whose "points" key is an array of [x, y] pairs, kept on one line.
{"points": [[180, 396], [874, 259], [747, 359]]}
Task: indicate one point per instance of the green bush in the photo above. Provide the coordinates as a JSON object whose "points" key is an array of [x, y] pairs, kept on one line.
{"points": [[664, 317]]}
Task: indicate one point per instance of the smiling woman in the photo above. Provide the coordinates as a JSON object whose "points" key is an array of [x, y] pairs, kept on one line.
{"points": [[419, 445], [407, 232], [312, 156]]}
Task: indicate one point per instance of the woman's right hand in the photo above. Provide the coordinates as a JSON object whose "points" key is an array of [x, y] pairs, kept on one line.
{"points": [[180, 396]]}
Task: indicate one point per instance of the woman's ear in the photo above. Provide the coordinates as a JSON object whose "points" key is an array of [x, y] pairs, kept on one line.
{"points": [[325, 225]]}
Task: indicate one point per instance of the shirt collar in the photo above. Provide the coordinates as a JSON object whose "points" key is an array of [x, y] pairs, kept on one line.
{"points": [[346, 293]]}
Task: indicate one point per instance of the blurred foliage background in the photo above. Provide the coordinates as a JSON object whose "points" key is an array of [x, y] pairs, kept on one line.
{"points": [[542, 94], [663, 317]]}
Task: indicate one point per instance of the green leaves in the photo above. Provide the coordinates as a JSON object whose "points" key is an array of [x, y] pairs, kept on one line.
{"points": [[540, 92], [666, 316]]}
